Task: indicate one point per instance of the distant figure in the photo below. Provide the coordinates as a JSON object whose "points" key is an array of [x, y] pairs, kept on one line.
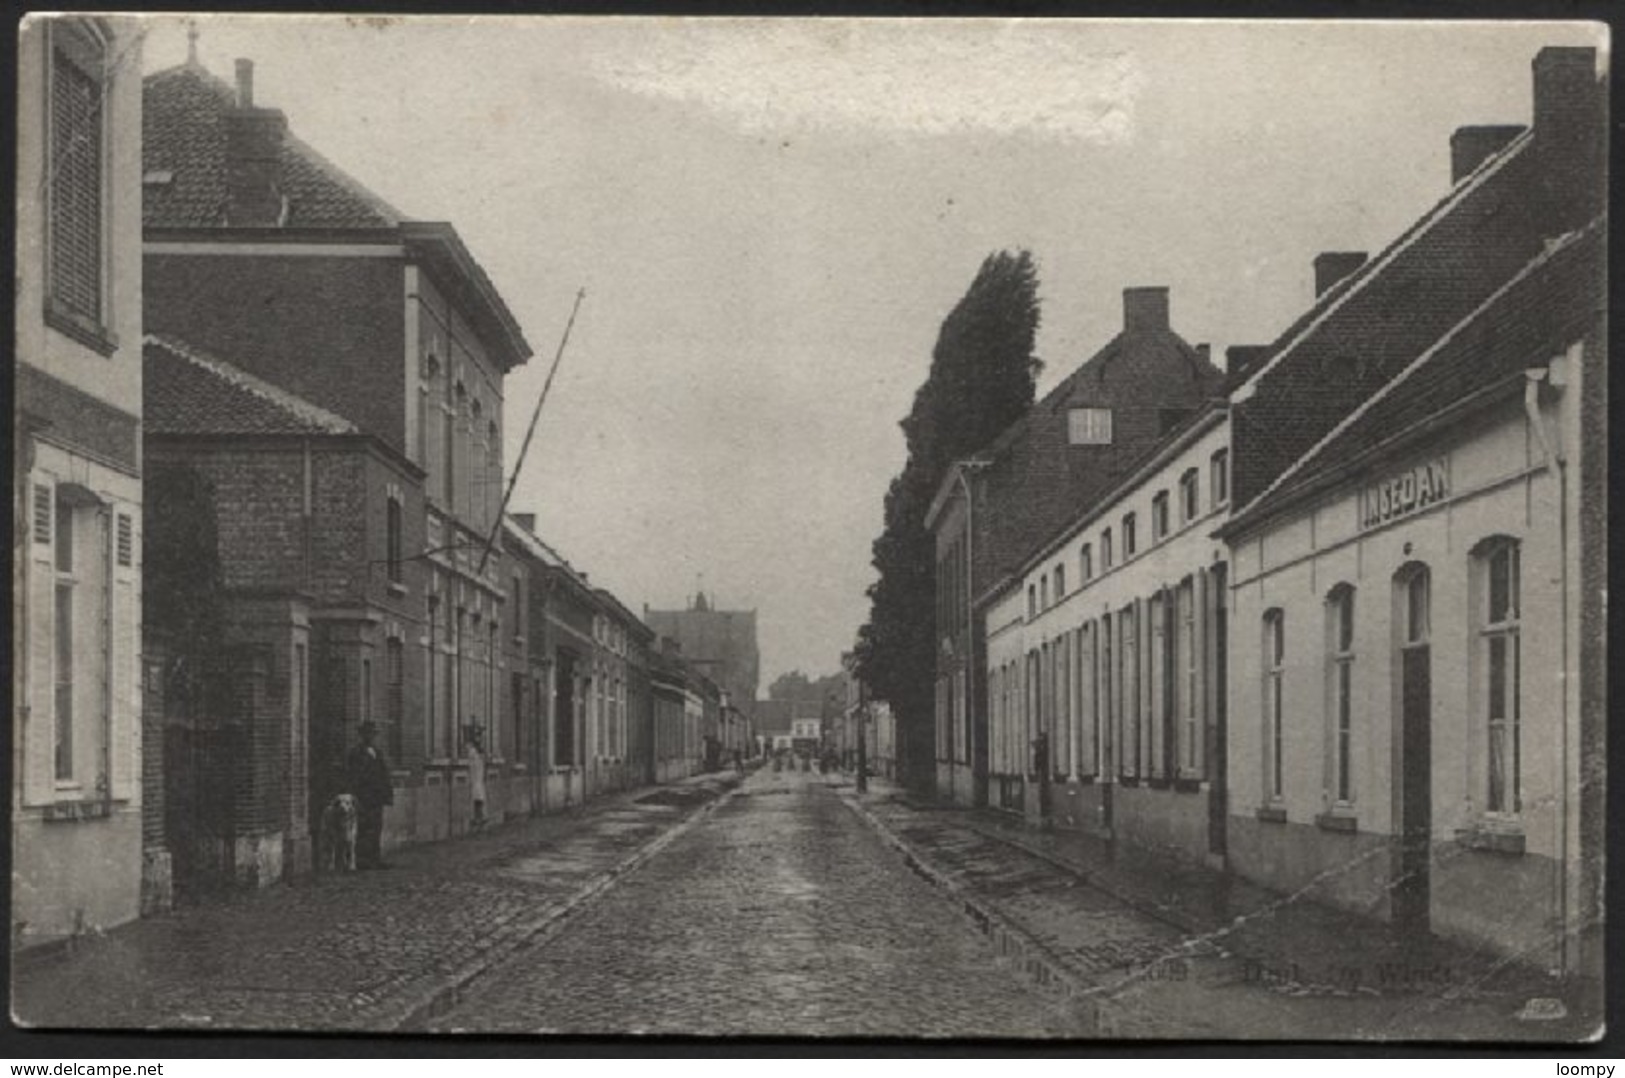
{"points": [[476, 776], [368, 777]]}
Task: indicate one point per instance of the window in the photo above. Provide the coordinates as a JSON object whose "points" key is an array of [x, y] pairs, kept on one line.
{"points": [[64, 679], [366, 690], [1128, 535], [75, 172], [1159, 516], [1086, 562], [1043, 593], [1274, 667], [1105, 550], [1060, 582], [1340, 675], [1189, 499], [1500, 658], [392, 529], [1188, 658], [1089, 426], [395, 701], [126, 541], [1032, 600], [1219, 481]]}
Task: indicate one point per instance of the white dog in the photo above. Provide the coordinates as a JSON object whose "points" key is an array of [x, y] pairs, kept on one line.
{"points": [[338, 834]]}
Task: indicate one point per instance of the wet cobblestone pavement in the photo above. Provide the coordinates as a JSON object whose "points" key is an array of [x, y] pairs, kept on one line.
{"points": [[362, 951], [783, 913], [1164, 951]]}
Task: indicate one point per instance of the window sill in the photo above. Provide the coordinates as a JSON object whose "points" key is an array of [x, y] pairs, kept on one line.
{"points": [[1507, 843], [87, 331], [396, 588], [77, 811], [1337, 821], [1271, 814]]}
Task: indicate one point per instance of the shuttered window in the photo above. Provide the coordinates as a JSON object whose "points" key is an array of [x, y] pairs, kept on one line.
{"points": [[126, 541], [44, 507], [76, 172]]}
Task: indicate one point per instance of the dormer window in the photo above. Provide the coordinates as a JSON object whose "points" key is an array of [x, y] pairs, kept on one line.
{"points": [[1089, 426]]}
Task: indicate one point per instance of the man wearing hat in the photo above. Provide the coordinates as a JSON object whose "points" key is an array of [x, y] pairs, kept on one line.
{"points": [[370, 785]]}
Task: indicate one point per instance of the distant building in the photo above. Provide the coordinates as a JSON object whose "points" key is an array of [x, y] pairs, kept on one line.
{"points": [[992, 509], [722, 643]]}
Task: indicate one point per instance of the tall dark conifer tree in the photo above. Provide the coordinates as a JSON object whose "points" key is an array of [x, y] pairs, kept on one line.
{"points": [[982, 378]]}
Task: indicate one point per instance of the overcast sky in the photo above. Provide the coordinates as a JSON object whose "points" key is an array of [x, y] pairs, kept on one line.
{"points": [[771, 219]]}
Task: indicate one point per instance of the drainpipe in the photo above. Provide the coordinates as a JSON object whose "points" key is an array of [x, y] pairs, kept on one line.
{"points": [[1556, 467]]}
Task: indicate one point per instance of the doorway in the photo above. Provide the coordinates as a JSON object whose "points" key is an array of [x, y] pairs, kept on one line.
{"points": [[1411, 878]]}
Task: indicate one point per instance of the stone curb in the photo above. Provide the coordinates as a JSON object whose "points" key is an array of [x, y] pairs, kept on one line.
{"points": [[415, 1011], [1009, 939], [1101, 882]]}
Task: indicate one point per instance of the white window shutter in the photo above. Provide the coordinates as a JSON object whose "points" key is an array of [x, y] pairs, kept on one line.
{"points": [[38, 741], [1204, 671], [125, 685]]}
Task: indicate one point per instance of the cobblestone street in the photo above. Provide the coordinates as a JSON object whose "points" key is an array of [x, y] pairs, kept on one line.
{"points": [[781, 914]]}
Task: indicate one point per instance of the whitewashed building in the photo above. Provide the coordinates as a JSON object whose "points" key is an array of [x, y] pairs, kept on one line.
{"points": [[1106, 659], [77, 832], [1417, 670]]}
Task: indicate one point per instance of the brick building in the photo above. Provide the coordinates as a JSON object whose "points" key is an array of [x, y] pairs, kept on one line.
{"points": [[80, 852], [262, 252], [992, 509], [310, 520]]}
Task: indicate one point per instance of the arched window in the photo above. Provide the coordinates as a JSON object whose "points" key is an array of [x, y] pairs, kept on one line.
{"points": [[1497, 613], [1274, 735], [1340, 689]]}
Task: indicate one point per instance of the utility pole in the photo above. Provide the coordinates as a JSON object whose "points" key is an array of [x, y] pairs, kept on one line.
{"points": [[530, 432]]}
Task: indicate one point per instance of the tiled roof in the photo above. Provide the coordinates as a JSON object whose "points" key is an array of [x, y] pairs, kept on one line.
{"points": [[185, 391], [183, 130], [1555, 299], [1367, 329]]}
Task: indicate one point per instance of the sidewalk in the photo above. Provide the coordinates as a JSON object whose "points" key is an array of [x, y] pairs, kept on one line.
{"points": [[362, 951], [1171, 950]]}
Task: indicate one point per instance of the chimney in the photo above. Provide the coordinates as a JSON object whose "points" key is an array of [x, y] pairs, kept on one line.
{"points": [[1145, 309], [1472, 146], [245, 83], [253, 158], [526, 521], [1333, 266], [1566, 89], [1205, 350]]}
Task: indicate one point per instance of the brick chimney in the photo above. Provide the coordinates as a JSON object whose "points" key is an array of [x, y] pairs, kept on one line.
{"points": [[253, 158], [1472, 146], [1571, 136], [1566, 88], [1145, 309], [1333, 266], [526, 521]]}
